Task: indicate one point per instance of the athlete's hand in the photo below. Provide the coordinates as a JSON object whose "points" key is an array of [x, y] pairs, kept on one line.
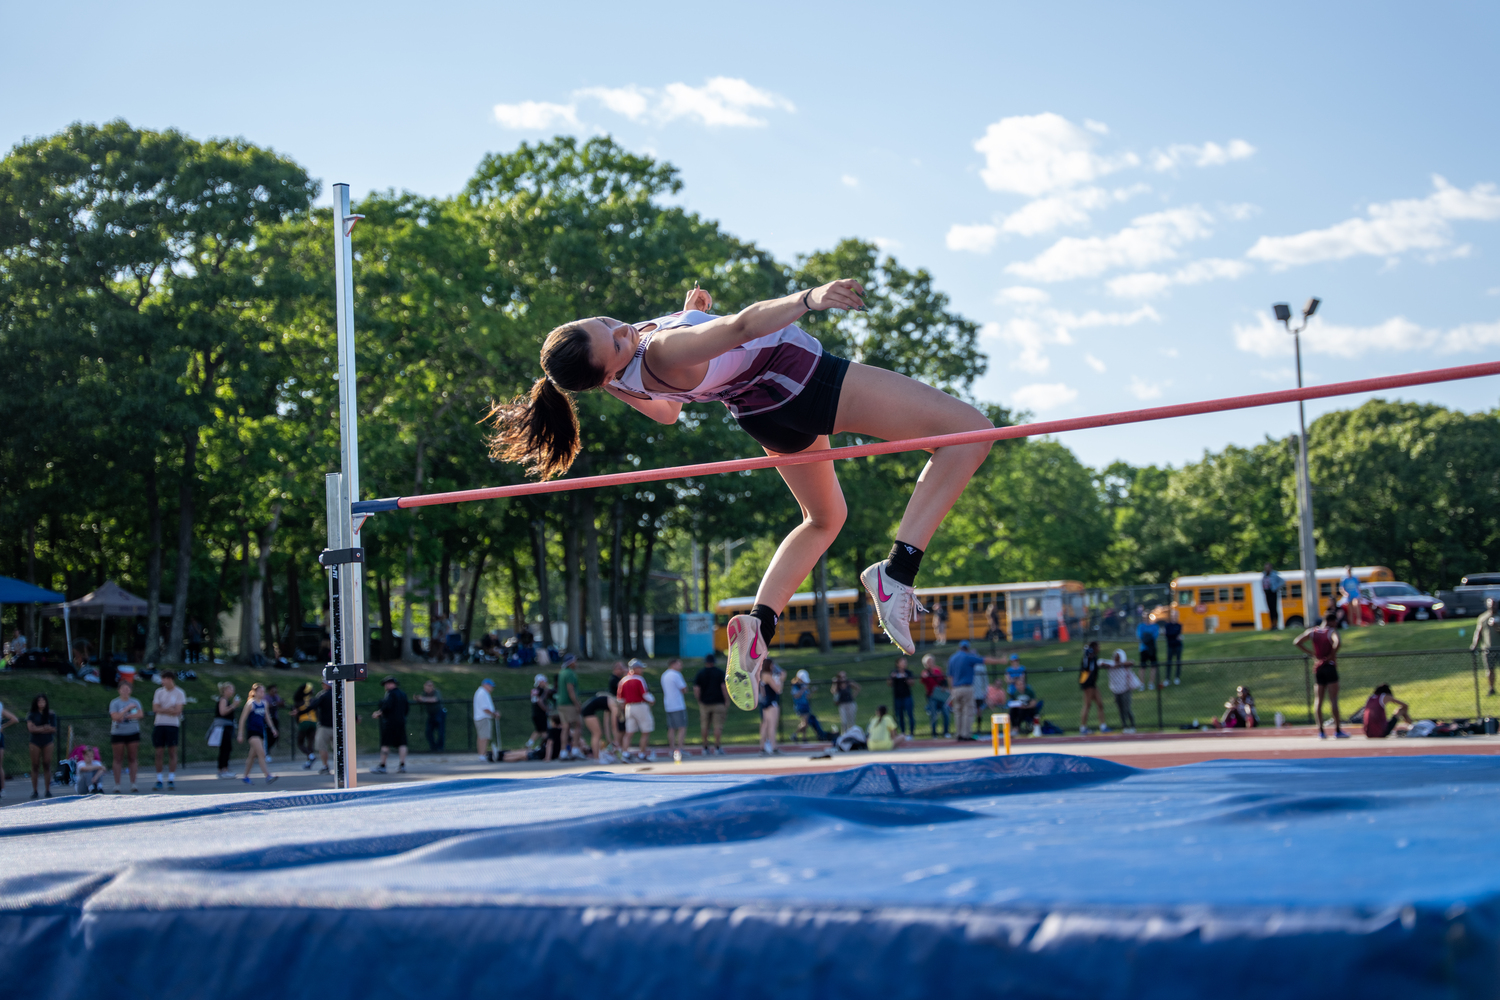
{"points": [[846, 293], [698, 300]]}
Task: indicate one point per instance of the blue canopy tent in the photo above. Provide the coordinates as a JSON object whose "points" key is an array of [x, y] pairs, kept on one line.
{"points": [[21, 592]]}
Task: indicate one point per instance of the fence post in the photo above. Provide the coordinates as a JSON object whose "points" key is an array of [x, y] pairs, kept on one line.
{"points": [[1478, 703], [1159, 726], [1307, 680]]}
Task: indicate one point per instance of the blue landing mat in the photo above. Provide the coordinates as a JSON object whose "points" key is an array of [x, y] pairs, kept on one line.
{"points": [[1032, 876]]}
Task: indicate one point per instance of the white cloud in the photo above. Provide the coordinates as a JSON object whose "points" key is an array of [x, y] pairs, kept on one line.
{"points": [[1210, 154], [1268, 338], [536, 115], [976, 239], [1391, 228], [721, 102], [1041, 396], [1022, 295], [1094, 363], [1071, 208], [1094, 126], [1239, 211], [1148, 239], [1076, 321], [1038, 154], [1023, 340], [1145, 390], [885, 243], [849, 180], [630, 101], [1147, 284]]}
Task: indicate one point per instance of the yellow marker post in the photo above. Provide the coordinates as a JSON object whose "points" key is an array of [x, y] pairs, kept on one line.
{"points": [[999, 721]]}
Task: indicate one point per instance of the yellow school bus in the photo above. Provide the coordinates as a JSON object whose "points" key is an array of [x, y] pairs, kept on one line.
{"points": [[1225, 602], [1033, 610]]}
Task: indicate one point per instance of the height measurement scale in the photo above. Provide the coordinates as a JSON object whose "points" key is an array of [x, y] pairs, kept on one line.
{"points": [[344, 558]]}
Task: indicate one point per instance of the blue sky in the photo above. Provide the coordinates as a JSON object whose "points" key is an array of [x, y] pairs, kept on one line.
{"points": [[1117, 192]]}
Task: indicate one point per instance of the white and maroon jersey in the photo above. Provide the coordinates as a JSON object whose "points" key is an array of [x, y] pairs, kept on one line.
{"points": [[755, 377]]}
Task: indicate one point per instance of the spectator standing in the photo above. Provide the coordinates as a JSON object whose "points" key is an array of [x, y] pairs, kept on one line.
{"points": [[437, 647], [993, 631], [713, 703], [936, 684], [1122, 683], [900, 682], [195, 641], [392, 713], [41, 725], [1377, 724], [802, 690], [255, 722], [569, 702], [223, 726], [17, 645], [307, 723], [771, 680], [1147, 632], [593, 708], [940, 623], [1088, 686], [323, 738], [882, 733], [543, 707], [274, 705], [485, 715], [1325, 649], [1354, 612], [637, 699], [844, 693], [1484, 640], [125, 716], [617, 707], [1271, 585], [674, 703], [431, 700], [961, 674], [5, 714], [169, 702], [981, 693], [1171, 630]]}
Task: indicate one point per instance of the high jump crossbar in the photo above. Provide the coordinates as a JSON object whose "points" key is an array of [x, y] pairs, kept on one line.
{"points": [[936, 441]]}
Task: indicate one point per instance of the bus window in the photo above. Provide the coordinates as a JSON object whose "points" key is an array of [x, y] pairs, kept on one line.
{"points": [[1184, 597], [1326, 589], [1239, 593], [1223, 593], [1206, 595], [943, 601], [973, 603], [844, 609], [1296, 591]]}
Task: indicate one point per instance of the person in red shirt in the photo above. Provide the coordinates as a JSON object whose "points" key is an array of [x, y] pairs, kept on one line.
{"points": [[1324, 651], [637, 698], [936, 683]]}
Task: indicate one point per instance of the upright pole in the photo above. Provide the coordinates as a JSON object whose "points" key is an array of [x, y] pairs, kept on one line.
{"points": [[346, 572], [1312, 601]]}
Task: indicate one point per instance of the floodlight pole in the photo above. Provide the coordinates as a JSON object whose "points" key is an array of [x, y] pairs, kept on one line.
{"points": [[1312, 600], [344, 557]]}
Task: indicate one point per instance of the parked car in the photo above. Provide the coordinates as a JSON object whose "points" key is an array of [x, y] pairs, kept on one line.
{"points": [[1396, 602]]}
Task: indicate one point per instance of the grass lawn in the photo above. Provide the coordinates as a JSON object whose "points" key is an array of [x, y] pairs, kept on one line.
{"points": [[1434, 678]]}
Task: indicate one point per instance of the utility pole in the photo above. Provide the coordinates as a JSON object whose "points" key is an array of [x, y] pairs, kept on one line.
{"points": [[1312, 601]]}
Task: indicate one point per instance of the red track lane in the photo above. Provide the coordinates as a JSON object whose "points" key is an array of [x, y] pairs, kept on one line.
{"points": [[936, 441]]}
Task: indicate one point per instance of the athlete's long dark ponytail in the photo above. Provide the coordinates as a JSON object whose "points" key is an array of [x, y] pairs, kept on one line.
{"points": [[540, 429]]}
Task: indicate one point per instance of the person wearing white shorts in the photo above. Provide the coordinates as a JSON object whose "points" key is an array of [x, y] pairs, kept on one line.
{"points": [[637, 698]]}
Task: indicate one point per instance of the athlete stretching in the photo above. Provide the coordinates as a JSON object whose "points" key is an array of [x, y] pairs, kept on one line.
{"points": [[788, 394]]}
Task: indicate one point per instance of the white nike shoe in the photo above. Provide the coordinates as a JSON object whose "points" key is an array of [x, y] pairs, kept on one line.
{"points": [[747, 650], [896, 605]]}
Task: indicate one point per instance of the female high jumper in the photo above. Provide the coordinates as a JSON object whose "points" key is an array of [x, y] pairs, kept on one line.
{"points": [[788, 394]]}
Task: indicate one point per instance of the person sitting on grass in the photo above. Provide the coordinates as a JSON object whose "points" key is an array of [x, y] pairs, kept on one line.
{"points": [[883, 734], [1239, 711], [1377, 724], [1024, 706]]}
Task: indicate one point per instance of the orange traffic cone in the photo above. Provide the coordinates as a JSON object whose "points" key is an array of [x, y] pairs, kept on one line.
{"points": [[1062, 630]]}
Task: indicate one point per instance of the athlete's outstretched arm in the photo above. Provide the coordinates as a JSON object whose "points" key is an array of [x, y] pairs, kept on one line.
{"points": [[663, 411], [685, 347]]}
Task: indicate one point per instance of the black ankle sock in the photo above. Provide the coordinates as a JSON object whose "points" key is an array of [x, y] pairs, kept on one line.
{"points": [[903, 562], [767, 619]]}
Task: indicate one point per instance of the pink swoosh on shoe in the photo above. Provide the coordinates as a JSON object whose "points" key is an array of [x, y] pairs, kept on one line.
{"points": [[880, 587], [754, 651]]}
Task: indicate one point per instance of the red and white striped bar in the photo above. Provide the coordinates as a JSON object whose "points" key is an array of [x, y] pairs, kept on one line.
{"points": [[937, 441]]}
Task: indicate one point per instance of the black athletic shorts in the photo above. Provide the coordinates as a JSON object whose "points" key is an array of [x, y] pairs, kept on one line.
{"points": [[807, 416], [1327, 673], [1148, 657], [393, 736], [165, 736], [124, 737]]}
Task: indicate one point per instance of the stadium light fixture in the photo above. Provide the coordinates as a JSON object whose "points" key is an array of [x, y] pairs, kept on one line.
{"points": [[1311, 598]]}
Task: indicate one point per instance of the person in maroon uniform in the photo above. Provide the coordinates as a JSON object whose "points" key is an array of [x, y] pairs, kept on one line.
{"points": [[1324, 651]]}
